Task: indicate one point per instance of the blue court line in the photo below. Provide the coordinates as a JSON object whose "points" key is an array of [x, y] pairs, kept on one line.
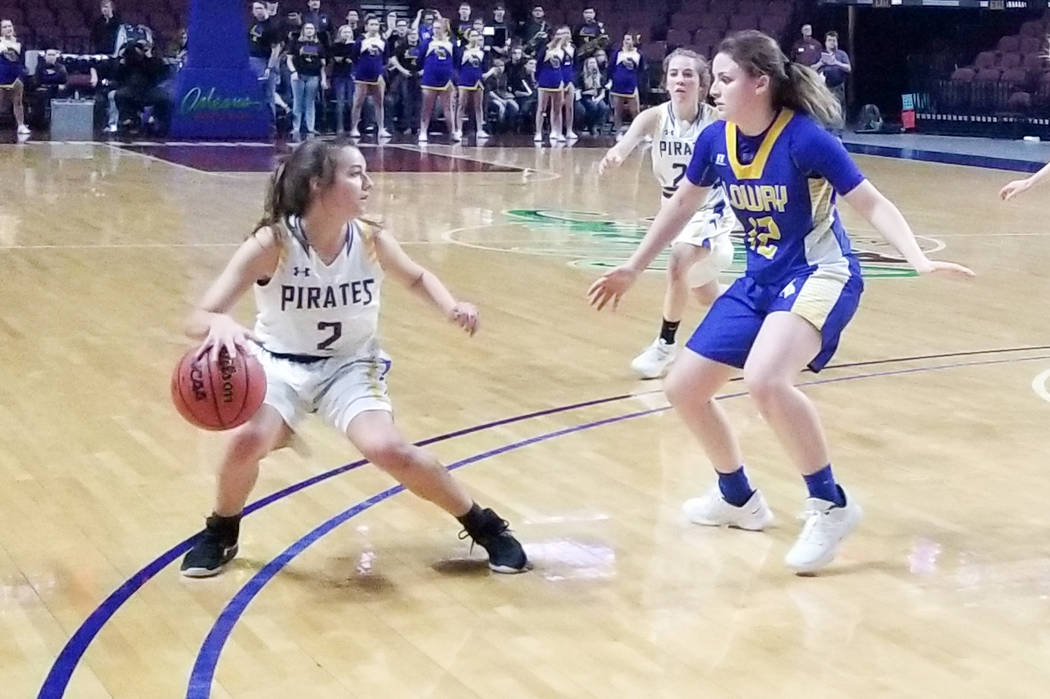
{"points": [[983, 161], [69, 657], [200, 681]]}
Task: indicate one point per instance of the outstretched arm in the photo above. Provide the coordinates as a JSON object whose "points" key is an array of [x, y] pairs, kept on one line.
{"points": [[424, 283], [886, 218], [1014, 188], [642, 126], [673, 215]]}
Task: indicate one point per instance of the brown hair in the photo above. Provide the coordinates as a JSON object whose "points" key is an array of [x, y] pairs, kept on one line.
{"points": [[702, 68], [793, 85]]}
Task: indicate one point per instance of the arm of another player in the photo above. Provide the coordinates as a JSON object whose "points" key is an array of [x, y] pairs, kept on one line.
{"points": [[210, 322], [643, 125], [424, 283], [887, 219], [1014, 188], [673, 215]]}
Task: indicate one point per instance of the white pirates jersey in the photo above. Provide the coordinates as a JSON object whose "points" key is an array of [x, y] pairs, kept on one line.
{"points": [[672, 150], [312, 309]]}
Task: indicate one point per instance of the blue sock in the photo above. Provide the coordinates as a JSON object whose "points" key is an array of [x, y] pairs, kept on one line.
{"points": [[735, 488], [822, 485]]}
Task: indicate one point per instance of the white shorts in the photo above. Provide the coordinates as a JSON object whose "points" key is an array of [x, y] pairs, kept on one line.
{"points": [[708, 230], [337, 389]]}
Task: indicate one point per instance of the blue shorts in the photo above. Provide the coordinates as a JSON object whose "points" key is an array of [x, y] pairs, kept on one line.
{"points": [[732, 324]]}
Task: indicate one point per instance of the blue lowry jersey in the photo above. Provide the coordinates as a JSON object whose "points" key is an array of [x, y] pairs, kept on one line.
{"points": [[782, 185]]}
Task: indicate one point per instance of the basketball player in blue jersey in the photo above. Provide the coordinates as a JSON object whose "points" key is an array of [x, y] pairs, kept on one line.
{"points": [[316, 267], [781, 170], [368, 78], [703, 248]]}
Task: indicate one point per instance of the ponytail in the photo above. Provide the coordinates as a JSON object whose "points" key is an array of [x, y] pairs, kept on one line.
{"points": [[288, 192], [805, 91]]}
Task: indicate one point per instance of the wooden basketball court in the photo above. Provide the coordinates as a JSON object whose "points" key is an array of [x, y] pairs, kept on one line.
{"points": [[936, 409]]}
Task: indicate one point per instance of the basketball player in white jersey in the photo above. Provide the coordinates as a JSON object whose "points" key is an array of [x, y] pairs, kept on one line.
{"points": [[703, 248], [317, 267]]}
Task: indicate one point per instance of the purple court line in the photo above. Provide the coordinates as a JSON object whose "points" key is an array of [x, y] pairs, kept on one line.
{"points": [[200, 681], [61, 670]]}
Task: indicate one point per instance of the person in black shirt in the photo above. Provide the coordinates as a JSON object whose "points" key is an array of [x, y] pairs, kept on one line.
{"points": [[49, 82], [306, 61], [535, 32], [463, 24], [590, 36], [321, 23], [497, 34], [499, 96], [104, 29], [264, 51], [341, 55], [523, 85], [139, 74], [405, 94]]}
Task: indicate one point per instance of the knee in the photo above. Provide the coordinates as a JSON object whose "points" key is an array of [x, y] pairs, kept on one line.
{"points": [[706, 293], [764, 386], [679, 263], [249, 444], [390, 454]]}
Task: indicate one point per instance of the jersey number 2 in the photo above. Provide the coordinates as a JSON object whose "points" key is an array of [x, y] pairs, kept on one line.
{"points": [[337, 332]]}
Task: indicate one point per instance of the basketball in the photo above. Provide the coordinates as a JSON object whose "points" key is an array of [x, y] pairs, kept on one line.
{"points": [[218, 395]]}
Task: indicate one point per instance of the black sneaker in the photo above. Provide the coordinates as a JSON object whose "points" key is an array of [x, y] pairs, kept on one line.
{"points": [[492, 533], [215, 547]]}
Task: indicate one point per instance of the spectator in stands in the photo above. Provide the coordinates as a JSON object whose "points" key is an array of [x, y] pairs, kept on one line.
{"points": [[104, 29], [306, 63], [321, 23], [49, 81], [404, 95], [515, 66], [179, 49], [463, 24], [535, 32], [341, 54], [835, 66], [140, 73], [499, 96], [807, 49], [103, 79], [525, 89], [593, 109], [497, 33], [353, 19], [424, 24], [264, 52], [12, 69], [589, 36]]}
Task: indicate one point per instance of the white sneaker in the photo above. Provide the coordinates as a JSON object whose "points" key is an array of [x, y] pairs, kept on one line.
{"points": [[652, 363], [712, 510], [571, 135], [383, 133], [537, 137], [825, 528], [354, 133], [457, 136], [481, 133], [422, 137], [23, 130]]}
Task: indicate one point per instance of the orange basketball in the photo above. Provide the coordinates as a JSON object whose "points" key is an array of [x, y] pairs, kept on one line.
{"points": [[218, 395]]}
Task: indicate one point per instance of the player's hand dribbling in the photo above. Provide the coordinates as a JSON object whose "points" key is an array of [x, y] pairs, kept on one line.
{"points": [[945, 269], [225, 333], [1012, 189], [465, 315], [611, 286]]}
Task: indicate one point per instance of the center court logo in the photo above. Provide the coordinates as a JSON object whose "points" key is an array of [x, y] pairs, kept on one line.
{"points": [[596, 239]]}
